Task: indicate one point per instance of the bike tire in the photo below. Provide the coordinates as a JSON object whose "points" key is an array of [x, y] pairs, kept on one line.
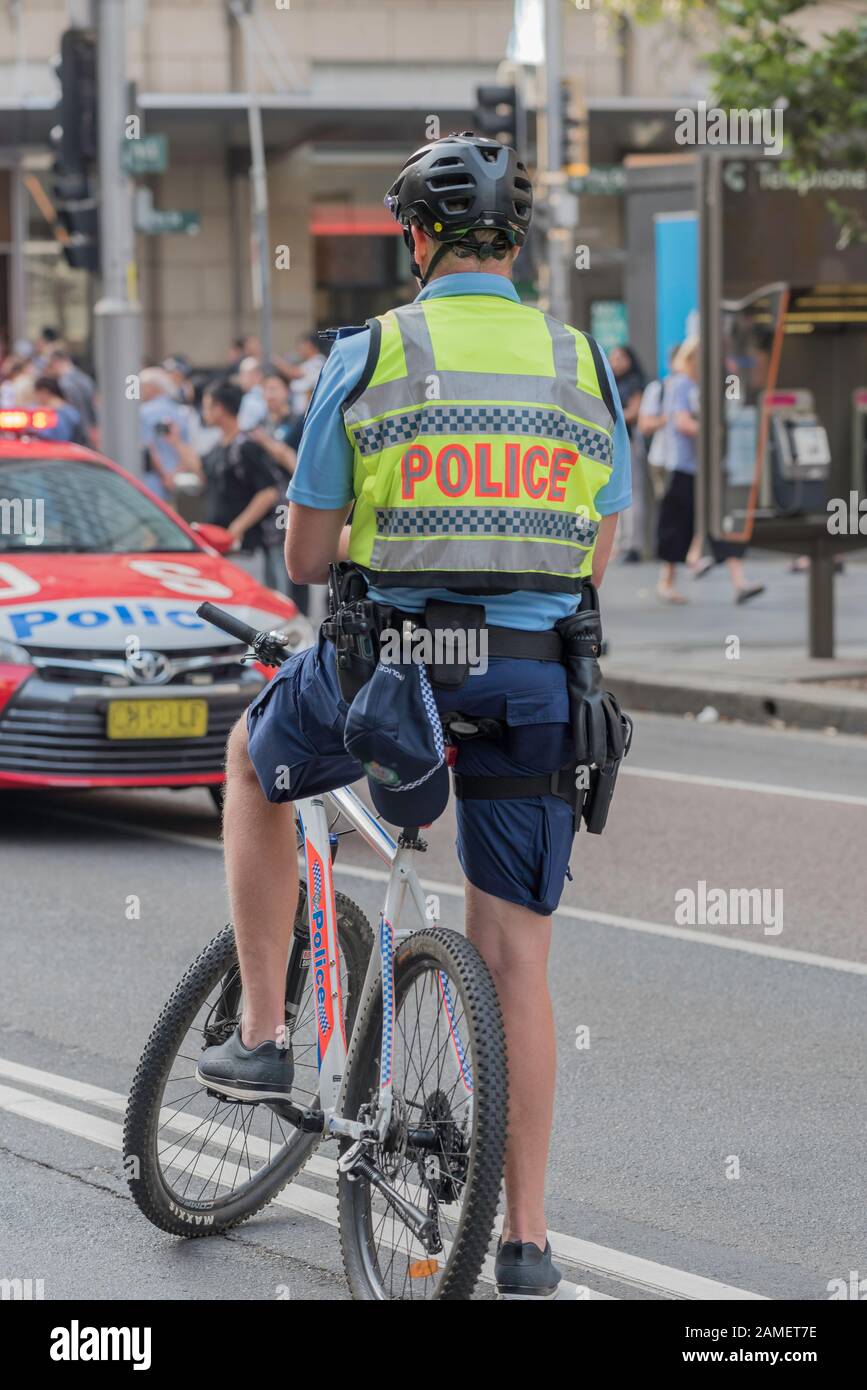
{"points": [[164, 1208], [439, 950]]}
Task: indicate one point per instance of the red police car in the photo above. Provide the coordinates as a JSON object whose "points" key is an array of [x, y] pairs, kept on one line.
{"points": [[108, 678]]}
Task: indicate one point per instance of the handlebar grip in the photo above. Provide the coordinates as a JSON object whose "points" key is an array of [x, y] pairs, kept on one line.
{"points": [[218, 617]]}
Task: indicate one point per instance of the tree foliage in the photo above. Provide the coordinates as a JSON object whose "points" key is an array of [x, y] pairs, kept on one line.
{"points": [[761, 60]]}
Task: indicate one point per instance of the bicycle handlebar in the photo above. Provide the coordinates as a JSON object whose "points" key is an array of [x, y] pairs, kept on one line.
{"points": [[218, 617], [269, 647]]}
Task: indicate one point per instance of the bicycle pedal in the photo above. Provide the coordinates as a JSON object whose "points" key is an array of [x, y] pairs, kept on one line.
{"points": [[310, 1121]]}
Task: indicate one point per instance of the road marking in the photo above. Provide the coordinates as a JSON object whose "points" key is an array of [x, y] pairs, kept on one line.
{"points": [[304, 1201], [600, 1260], [577, 914], [731, 784]]}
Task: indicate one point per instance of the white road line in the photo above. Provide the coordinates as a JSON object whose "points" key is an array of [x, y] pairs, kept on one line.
{"points": [[731, 784], [647, 1275], [304, 1201], [606, 919]]}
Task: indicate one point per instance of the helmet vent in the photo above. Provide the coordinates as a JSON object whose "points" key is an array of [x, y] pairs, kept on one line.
{"points": [[445, 182]]}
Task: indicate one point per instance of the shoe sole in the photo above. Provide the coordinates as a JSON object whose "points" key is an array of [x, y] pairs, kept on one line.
{"points": [[235, 1092], [515, 1297]]}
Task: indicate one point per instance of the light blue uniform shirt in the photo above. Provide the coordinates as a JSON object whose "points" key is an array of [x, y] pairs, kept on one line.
{"points": [[323, 473], [159, 410]]}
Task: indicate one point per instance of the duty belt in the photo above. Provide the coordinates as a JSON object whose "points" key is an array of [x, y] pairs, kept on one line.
{"points": [[501, 641]]}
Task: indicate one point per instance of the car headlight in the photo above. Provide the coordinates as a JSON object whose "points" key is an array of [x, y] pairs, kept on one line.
{"points": [[13, 655]]}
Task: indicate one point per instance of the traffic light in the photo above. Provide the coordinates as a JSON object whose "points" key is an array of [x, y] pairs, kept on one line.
{"points": [[572, 150], [78, 217], [78, 98], [496, 114], [77, 148]]}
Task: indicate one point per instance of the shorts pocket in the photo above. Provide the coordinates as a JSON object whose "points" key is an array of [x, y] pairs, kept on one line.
{"points": [[537, 733]]}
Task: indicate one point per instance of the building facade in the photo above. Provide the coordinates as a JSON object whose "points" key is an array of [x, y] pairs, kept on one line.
{"points": [[347, 88]]}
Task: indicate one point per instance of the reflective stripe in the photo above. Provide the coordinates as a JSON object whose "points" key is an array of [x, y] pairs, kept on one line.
{"points": [[440, 555], [560, 390], [565, 350], [417, 345], [431, 419], [482, 386], [530, 522]]}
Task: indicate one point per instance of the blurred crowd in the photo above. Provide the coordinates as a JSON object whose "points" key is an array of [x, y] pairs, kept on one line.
{"points": [[219, 443]]}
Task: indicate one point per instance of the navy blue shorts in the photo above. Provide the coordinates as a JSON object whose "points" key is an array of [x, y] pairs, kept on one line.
{"points": [[513, 849]]}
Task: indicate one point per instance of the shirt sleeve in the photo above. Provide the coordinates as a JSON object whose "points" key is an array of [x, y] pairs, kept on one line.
{"points": [[616, 495], [323, 473]]}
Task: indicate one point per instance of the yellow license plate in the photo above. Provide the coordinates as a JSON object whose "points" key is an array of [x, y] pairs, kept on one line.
{"points": [[157, 719]]}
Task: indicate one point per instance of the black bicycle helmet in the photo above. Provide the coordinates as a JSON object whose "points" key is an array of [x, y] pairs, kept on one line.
{"points": [[461, 184]]}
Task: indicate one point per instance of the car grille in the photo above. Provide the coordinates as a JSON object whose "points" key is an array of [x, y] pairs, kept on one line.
{"points": [[196, 665], [61, 741]]}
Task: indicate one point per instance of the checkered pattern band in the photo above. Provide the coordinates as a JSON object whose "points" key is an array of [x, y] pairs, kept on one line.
{"points": [[433, 715], [529, 523], [431, 419]]}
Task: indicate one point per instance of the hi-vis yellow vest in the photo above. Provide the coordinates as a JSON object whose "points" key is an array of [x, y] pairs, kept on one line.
{"points": [[482, 433]]}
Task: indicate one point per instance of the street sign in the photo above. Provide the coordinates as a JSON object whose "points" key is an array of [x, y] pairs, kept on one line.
{"points": [[150, 155], [171, 220], [604, 179], [157, 221]]}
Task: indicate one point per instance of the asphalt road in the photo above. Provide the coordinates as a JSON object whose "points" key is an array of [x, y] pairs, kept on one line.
{"points": [[713, 1050]]}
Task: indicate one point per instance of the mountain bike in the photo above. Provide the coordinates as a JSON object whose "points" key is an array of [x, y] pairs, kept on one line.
{"points": [[399, 1057]]}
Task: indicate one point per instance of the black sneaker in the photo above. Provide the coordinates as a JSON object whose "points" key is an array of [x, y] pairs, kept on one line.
{"points": [[522, 1270], [265, 1072]]}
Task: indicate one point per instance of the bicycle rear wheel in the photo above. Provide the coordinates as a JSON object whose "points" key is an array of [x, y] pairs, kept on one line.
{"points": [[197, 1164], [445, 1147]]}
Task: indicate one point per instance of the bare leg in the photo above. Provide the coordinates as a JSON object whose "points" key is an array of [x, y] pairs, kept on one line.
{"points": [[736, 570], [666, 586], [262, 873], [514, 943]]}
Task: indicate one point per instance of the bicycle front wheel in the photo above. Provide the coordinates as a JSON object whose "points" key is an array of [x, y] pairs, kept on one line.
{"points": [[444, 1150]]}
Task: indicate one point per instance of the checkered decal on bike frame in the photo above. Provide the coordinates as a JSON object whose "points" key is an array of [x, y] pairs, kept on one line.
{"points": [[538, 421], [530, 523], [386, 945]]}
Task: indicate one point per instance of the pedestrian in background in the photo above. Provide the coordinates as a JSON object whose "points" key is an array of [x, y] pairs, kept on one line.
{"points": [[48, 394], [280, 437], [178, 368], [677, 512], [630, 381], [253, 408], [163, 427], [239, 480], [304, 374], [651, 421], [678, 540], [77, 387]]}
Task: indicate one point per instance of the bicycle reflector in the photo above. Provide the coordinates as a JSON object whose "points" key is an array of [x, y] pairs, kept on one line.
{"points": [[21, 421], [423, 1269]]}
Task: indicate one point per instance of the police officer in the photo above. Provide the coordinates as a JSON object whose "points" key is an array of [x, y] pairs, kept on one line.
{"points": [[482, 448]]}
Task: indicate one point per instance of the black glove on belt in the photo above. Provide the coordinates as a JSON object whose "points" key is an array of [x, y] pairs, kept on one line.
{"points": [[597, 725]]}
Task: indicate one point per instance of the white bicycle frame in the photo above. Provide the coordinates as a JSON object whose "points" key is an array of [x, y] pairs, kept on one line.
{"points": [[332, 1045]]}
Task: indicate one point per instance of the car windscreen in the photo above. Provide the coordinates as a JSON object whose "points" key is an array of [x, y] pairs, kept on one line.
{"points": [[70, 505]]}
